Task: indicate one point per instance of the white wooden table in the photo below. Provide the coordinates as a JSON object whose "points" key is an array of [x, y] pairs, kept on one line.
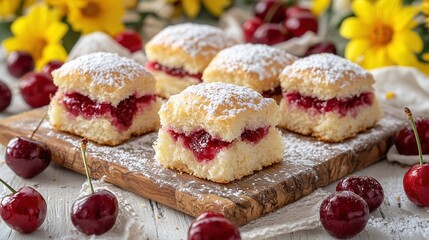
{"points": [[60, 187]]}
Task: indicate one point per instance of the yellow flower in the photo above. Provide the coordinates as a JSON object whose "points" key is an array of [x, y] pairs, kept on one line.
{"points": [[192, 7], [425, 6], [320, 6], [37, 32], [88, 16], [60, 4], [382, 34], [8, 8], [130, 4]]}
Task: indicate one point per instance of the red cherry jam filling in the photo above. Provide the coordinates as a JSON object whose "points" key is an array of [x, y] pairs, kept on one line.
{"points": [[121, 116], [175, 72], [341, 106], [272, 92], [205, 147]]}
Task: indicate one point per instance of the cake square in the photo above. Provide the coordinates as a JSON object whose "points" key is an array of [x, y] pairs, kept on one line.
{"points": [[104, 98], [328, 97], [220, 132], [179, 53], [256, 66]]}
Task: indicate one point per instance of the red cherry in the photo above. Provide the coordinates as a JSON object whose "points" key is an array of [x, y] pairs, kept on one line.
{"points": [[271, 11], [405, 141], [367, 188], [95, 213], [209, 214], [24, 210], [213, 226], [51, 66], [27, 157], [344, 214], [36, 89], [270, 34], [416, 184], [301, 24], [324, 47], [249, 28], [416, 179], [130, 40], [294, 11], [19, 63], [5, 96]]}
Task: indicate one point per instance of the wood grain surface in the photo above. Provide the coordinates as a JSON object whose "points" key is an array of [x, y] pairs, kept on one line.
{"points": [[308, 164]]}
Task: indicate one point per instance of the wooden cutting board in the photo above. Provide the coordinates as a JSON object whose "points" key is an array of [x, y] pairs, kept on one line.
{"points": [[308, 164]]}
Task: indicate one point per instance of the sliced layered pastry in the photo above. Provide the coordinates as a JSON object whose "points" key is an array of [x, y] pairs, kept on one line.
{"points": [[256, 66], [328, 97], [104, 98], [179, 54], [218, 131]]}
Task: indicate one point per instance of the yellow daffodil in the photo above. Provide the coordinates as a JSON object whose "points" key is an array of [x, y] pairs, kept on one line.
{"points": [[8, 8], [382, 34], [37, 33], [192, 7], [88, 16]]}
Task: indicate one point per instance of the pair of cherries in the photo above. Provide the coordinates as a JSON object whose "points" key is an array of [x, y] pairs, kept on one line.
{"points": [[415, 141], [25, 210], [35, 87], [345, 212]]}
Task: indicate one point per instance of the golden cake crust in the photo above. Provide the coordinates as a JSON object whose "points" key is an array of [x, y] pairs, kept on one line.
{"points": [[104, 77], [326, 76], [256, 66], [189, 46], [223, 110]]}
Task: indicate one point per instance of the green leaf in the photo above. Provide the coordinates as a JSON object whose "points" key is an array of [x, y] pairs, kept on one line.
{"points": [[70, 39], [5, 30]]}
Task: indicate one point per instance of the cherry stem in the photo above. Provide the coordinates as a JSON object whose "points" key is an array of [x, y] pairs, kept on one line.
{"points": [[416, 134], [38, 126], [8, 186], [83, 149], [271, 12]]}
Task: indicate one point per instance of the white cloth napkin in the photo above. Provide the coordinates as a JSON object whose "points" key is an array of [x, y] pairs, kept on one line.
{"points": [[410, 88]]}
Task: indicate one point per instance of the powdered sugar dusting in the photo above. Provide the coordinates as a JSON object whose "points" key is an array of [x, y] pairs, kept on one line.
{"points": [[221, 99], [194, 39], [107, 69], [327, 68], [254, 58]]}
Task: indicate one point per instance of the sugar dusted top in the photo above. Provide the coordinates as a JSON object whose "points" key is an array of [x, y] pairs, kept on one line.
{"points": [[263, 60], [326, 68], [107, 69], [104, 77], [194, 39], [223, 110], [222, 99]]}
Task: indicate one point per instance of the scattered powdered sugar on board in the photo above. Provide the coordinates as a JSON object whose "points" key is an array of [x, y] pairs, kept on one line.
{"points": [[254, 58], [326, 68], [107, 69], [194, 39], [221, 99]]}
